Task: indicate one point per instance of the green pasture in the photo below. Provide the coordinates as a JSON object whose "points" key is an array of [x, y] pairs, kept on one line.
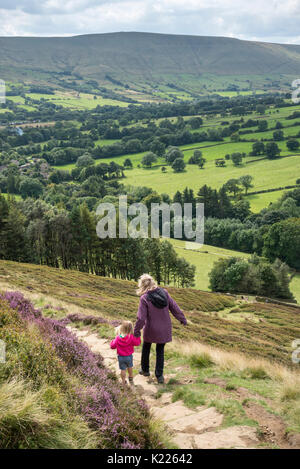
{"points": [[295, 287], [15, 196], [231, 94], [260, 201], [272, 116], [102, 141], [83, 101], [266, 174], [287, 131], [203, 259], [135, 159], [17, 99]]}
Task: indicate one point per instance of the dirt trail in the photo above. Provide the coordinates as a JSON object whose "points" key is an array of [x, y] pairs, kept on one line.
{"points": [[190, 429]]}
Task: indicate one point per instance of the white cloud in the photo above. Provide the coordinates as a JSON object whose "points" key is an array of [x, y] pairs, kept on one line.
{"points": [[274, 20]]}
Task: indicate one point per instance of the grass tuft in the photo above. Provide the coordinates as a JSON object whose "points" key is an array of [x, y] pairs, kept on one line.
{"points": [[257, 373], [191, 396], [202, 360]]}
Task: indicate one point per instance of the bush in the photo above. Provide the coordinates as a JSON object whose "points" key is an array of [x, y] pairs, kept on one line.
{"points": [[178, 165], [254, 276], [283, 242]]}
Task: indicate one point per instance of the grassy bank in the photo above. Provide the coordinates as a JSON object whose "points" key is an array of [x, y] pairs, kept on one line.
{"points": [[55, 393], [260, 329]]}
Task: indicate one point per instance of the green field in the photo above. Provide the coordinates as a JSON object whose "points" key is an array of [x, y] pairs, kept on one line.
{"points": [[77, 101], [260, 201], [16, 196], [266, 174], [231, 94], [203, 258], [135, 158]]}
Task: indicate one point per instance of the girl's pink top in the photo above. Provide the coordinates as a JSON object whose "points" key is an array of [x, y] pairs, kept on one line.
{"points": [[125, 345]]}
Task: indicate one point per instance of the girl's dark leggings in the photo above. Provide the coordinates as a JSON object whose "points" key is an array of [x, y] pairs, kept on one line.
{"points": [[159, 368]]}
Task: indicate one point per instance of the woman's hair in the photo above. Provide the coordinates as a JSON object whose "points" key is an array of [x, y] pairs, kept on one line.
{"points": [[145, 283], [125, 328]]}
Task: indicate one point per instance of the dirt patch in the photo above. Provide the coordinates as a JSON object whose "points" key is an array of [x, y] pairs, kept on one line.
{"points": [[272, 427], [294, 441], [217, 381]]}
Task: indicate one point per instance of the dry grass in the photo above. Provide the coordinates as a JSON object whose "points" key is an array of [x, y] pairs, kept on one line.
{"points": [[25, 420], [289, 379], [278, 386]]}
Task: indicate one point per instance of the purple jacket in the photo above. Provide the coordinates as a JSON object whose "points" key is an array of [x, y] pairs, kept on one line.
{"points": [[156, 321]]}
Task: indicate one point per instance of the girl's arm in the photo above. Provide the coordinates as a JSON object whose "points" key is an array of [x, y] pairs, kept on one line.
{"points": [[141, 317], [176, 311], [136, 341], [113, 343]]}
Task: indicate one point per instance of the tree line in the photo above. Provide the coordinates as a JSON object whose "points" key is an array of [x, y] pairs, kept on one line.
{"points": [[37, 232]]}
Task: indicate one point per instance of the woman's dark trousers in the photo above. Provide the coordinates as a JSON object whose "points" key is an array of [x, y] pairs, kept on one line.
{"points": [[159, 368]]}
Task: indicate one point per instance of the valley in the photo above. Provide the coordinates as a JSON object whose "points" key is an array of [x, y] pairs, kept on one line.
{"points": [[162, 119]]}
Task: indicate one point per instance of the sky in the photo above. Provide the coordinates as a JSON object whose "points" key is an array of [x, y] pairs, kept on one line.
{"points": [[262, 20]]}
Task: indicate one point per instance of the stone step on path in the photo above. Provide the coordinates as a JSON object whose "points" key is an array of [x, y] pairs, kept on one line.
{"points": [[190, 428], [237, 437]]}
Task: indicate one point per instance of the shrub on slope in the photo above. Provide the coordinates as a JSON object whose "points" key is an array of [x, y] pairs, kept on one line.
{"points": [[55, 393]]}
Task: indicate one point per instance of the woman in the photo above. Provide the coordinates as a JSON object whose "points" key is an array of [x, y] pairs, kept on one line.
{"points": [[153, 315]]}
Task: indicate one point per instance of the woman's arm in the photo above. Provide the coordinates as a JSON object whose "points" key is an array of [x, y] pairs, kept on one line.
{"points": [[141, 317], [176, 311]]}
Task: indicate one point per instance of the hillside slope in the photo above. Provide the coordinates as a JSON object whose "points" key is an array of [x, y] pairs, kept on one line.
{"points": [[142, 57], [225, 386], [55, 393], [258, 329]]}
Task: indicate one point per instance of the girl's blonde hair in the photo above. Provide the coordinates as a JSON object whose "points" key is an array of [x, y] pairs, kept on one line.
{"points": [[126, 328], [145, 283]]}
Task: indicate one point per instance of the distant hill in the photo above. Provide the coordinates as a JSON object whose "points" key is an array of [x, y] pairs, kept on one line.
{"points": [[143, 59]]}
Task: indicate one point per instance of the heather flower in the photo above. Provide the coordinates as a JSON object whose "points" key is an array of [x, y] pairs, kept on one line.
{"points": [[120, 420]]}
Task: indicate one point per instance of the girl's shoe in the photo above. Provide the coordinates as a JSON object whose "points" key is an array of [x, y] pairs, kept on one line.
{"points": [[144, 373], [131, 381]]}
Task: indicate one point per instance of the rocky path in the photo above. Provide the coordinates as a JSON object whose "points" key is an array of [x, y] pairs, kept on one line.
{"points": [[199, 428]]}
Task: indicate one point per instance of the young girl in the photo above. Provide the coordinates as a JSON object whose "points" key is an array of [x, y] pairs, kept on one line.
{"points": [[124, 343]]}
